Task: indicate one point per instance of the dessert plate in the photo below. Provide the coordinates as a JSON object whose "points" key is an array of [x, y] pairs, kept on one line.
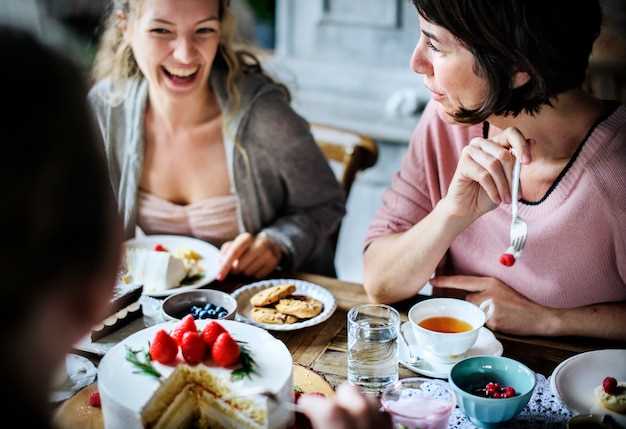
{"points": [[209, 262], [244, 307], [575, 379], [430, 366], [80, 373]]}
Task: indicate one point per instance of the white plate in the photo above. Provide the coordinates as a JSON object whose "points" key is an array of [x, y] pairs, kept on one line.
{"points": [[243, 295], [209, 262], [486, 344], [80, 373], [575, 379]]}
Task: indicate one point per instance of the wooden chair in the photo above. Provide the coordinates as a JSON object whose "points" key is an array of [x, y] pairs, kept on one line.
{"points": [[347, 152]]}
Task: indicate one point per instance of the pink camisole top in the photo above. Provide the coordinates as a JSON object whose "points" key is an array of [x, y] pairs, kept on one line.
{"points": [[213, 219]]}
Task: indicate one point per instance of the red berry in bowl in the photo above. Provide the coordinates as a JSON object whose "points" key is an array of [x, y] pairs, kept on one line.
{"points": [[507, 259], [159, 248], [508, 392], [609, 384], [94, 399]]}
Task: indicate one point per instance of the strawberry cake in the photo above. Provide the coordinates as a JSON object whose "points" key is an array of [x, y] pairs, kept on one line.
{"points": [[196, 374]]}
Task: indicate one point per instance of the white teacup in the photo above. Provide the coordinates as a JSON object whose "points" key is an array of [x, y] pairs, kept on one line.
{"points": [[448, 346]]}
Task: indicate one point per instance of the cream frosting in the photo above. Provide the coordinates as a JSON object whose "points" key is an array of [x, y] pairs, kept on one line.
{"points": [[125, 393]]}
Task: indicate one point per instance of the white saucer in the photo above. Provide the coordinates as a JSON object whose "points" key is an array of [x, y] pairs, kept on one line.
{"points": [[80, 373], [486, 344]]}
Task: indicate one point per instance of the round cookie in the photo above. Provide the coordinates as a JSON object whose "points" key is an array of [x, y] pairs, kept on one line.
{"points": [[303, 307], [272, 294], [270, 315]]}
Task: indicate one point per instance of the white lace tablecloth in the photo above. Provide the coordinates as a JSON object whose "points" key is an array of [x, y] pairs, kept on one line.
{"points": [[544, 410]]}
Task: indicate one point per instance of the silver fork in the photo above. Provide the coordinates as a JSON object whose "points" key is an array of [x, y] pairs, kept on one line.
{"points": [[519, 229], [271, 396]]}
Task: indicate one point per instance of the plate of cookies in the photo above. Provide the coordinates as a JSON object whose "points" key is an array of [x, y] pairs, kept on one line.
{"points": [[284, 304]]}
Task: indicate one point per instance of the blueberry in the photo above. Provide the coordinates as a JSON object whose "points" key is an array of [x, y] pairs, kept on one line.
{"points": [[204, 314], [222, 314], [209, 306]]}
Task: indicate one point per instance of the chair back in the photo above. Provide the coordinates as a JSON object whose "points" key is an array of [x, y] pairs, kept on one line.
{"points": [[347, 152]]}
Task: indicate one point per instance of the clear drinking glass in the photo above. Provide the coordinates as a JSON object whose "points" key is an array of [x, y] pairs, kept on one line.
{"points": [[419, 403], [372, 346]]}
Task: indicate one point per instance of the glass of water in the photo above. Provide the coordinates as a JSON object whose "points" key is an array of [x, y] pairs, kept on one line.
{"points": [[372, 346]]}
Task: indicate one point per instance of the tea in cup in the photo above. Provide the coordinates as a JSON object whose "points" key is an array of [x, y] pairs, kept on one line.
{"points": [[446, 327]]}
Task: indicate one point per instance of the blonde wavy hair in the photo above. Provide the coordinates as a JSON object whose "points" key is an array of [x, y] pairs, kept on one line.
{"points": [[115, 59]]}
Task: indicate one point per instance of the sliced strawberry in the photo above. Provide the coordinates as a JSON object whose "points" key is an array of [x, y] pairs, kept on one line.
{"points": [[609, 384], [507, 259], [185, 325], [193, 348], [225, 351], [94, 399], [210, 333], [160, 248], [163, 348]]}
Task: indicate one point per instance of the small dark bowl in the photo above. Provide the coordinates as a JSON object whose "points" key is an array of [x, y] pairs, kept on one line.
{"points": [[177, 306]]}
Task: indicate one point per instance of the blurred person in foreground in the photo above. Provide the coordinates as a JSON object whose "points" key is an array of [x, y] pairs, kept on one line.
{"points": [[61, 236], [506, 77]]}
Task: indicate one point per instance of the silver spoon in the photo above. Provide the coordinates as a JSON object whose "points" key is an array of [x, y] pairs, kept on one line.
{"points": [[413, 360]]}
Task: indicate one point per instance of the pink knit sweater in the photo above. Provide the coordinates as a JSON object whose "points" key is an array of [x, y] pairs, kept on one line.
{"points": [[575, 254]]}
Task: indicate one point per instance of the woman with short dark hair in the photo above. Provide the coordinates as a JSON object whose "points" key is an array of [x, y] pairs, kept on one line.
{"points": [[506, 79]]}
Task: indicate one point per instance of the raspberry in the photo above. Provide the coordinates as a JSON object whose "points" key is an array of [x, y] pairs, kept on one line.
{"points": [[94, 399], [609, 384], [508, 392], [507, 259], [159, 248]]}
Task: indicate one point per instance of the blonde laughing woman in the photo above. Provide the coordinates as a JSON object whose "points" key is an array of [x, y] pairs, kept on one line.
{"points": [[200, 142]]}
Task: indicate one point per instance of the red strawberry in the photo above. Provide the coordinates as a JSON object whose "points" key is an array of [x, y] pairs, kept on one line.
{"points": [[508, 392], [159, 248], [185, 325], [210, 333], [94, 399], [296, 396], [609, 384], [193, 348], [225, 351], [163, 348], [507, 259]]}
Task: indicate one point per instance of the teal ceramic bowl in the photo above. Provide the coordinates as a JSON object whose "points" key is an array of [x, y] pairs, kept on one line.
{"points": [[475, 372]]}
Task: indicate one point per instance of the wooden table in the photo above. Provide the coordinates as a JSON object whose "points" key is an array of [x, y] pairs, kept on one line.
{"points": [[323, 348]]}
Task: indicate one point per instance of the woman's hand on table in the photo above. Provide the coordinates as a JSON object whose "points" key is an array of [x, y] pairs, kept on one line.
{"points": [[483, 176], [251, 255], [348, 409], [513, 313]]}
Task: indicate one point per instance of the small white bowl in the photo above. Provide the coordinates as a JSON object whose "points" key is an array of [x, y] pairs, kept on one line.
{"points": [[177, 306]]}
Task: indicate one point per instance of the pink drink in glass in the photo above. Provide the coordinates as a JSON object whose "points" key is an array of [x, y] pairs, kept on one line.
{"points": [[418, 403]]}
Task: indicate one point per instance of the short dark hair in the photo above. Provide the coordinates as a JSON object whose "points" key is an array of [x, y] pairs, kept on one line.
{"points": [[551, 40], [58, 212]]}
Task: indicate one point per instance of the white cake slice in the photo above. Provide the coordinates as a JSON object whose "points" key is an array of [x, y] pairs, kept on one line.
{"points": [[157, 271]]}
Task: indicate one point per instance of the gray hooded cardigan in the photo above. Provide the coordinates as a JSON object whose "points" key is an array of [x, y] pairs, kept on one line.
{"points": [[284, 184]]}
